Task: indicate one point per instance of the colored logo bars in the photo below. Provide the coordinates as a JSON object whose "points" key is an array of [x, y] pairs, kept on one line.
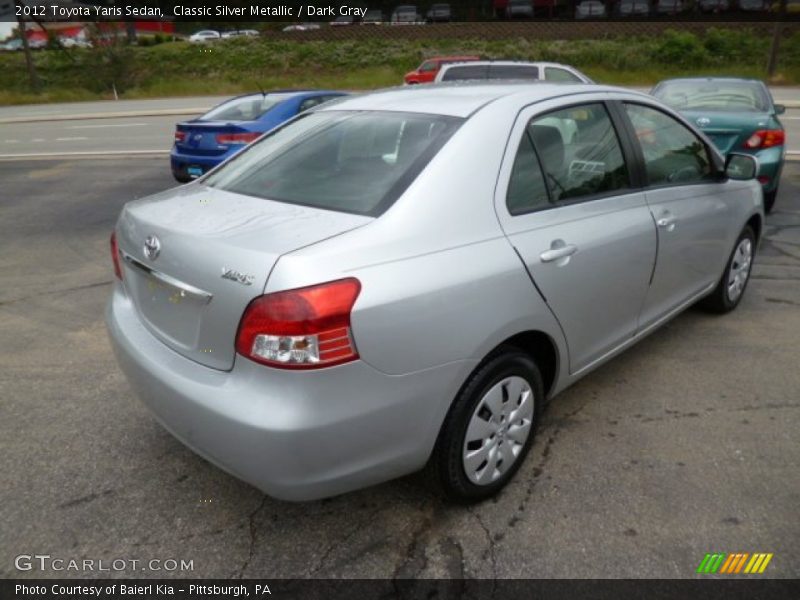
{"points": [[734, 564]]}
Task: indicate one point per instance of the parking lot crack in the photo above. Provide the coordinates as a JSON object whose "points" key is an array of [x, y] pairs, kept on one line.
{"points": [[76, 288], [252, 547], [491, 545]]}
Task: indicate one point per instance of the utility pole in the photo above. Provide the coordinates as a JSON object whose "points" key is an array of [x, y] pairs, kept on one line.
{"points": [[23, 34], [772, 65]]}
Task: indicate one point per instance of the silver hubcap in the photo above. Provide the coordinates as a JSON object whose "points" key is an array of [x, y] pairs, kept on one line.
{"points": [[740, 269], [498, 430]]}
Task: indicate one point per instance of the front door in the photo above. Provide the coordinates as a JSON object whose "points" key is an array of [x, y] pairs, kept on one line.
{"points": [[684, 196]]}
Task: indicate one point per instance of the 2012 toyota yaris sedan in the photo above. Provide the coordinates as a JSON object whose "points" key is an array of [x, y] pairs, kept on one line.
{"points": [[404, 278]]}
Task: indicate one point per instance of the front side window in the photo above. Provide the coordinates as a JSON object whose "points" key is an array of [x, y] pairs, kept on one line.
{"points": [[672, 153], [580, 152], [357, 162]]}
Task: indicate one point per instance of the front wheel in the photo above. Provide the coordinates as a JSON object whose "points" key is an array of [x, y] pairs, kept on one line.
{"points": [[731, 286], [490, 428]]}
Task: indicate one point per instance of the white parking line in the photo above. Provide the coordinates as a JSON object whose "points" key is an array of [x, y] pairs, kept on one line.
{"points": [[11, 141], [71, 139], [104, 126]]}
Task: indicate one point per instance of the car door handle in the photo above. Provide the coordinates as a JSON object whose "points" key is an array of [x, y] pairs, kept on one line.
{"points": [[558, 252], [667, 223]]}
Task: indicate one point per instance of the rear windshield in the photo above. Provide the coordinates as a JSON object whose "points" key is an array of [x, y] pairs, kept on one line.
{"points": [[356, 162], [246, 108], [733, 96], [465, 72]]}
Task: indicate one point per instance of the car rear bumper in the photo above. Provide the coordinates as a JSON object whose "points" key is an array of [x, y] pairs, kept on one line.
{"points": [[294, 435], [181, 161], [770, 165]]}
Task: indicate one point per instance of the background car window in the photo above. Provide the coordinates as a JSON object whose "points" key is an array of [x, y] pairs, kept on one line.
{"points": [[311, 103], [580, 152], [351, 162], [513, 72], [560, 75], [672, 153], [527, 189], [714, 95], [465, 72], [428, 65], [247, 108]]}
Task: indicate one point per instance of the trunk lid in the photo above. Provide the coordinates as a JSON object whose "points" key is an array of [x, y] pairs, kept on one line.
{"points": [[729, 130], [215, 252], [201, 136]]}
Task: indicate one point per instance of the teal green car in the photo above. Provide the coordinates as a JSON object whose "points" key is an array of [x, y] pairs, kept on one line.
{"points": [[738, 115]]}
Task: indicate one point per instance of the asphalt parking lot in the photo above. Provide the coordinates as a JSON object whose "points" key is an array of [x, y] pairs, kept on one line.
{"points": [[686, 444]]}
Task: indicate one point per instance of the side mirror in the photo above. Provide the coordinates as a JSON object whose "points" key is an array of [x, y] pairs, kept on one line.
{"points": [[779, 109], [741, 166]]}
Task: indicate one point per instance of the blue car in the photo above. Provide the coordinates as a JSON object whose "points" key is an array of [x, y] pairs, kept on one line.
{"points": [[204, 142]]}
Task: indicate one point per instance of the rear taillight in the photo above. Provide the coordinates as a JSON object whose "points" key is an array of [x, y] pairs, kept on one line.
{"points": [[223, 139], [765, 138], [115, 256], [180, 136], [306, 328]]}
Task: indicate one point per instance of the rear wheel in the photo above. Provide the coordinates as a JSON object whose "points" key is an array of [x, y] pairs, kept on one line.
{"points": [[181, 178], [490, 428], [729, 291], [769, 200]]}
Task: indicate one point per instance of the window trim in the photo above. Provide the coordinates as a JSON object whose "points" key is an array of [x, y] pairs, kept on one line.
{"points": [[633, 179], [717, 174]]}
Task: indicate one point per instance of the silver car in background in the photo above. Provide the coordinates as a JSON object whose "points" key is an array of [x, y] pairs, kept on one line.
{"points": [[406, 277], [492, 70]]}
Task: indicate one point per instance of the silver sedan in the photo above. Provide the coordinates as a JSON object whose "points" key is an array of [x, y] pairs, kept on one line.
{"points": [[404, 279]]}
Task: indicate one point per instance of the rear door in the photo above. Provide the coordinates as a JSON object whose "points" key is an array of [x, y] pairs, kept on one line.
{"points": [[687, 201], [570, 206]]}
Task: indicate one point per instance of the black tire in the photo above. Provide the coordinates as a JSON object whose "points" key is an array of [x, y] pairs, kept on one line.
{"points": [[180, 178], [719, 301], [446, 466], [769, 200]]}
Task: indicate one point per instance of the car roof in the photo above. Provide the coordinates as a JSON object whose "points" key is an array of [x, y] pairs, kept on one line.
{"points": [[512, 63], [462, 99], [698, 79]]}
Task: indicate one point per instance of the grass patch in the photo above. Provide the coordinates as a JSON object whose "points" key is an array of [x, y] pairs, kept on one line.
{"points": [[241, 65]]}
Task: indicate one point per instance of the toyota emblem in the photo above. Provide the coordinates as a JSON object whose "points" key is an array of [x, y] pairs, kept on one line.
{"points": [[703, 121], [152, 247]]}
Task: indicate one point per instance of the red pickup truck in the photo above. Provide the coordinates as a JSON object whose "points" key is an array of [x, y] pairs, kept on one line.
{"points": [[426, 72]]}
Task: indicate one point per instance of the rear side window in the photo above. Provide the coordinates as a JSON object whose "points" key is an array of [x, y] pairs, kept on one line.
{"points": [[344, 161], [465, 72], [513, 72], [580, 152], [560, 75], [672, 153]]}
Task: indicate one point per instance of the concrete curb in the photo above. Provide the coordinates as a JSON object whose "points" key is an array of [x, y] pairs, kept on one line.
{"points": [[90, 155], [165, 112]]}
